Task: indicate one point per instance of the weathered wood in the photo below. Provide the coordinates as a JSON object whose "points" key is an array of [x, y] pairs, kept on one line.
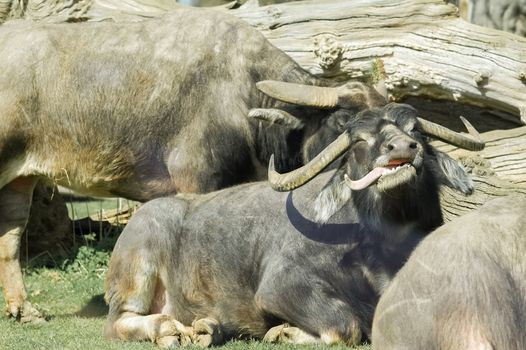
{"points": [[420, 47], [498, 170]]}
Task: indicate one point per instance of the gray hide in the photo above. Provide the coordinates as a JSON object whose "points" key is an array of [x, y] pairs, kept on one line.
{"points": [[463, 287]]}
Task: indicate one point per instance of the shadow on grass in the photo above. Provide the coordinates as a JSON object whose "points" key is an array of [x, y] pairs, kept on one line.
{"points": [[96, 307]]}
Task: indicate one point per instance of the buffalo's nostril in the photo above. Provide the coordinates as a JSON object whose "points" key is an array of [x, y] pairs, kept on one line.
{"points": [[401, 144]]}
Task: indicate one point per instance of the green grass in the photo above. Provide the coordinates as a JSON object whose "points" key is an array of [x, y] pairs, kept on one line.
{"points": [[70, 295]]}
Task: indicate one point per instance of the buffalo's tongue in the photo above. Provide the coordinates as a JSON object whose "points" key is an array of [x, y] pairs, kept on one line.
{"points": [[367, 180]]}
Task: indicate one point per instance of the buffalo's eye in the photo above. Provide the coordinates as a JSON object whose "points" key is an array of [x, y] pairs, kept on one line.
{"points": [[360, 151], [414, 130]]}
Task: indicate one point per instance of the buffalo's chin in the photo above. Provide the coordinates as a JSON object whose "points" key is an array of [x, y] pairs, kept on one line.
{"points": [[396, 177]]}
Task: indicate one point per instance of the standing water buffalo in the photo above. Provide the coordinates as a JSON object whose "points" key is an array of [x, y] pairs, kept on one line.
{"points": [[245, 260], [143, 110], [463, 287]]}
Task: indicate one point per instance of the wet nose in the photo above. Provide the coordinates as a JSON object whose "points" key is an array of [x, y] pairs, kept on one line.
{"points": [[402, 147]]}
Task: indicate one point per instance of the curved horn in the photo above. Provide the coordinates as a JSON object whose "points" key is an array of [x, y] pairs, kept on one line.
{"points": [[299, 94], [296, 178], [276, 116], [353, 94], [473, 142]]}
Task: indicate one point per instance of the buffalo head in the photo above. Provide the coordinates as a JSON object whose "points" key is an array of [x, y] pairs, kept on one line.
{"points": [[385, 148]]}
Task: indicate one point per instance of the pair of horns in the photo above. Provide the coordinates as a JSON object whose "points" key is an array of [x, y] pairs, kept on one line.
{"points": [[350, 94], [330, 97], [296, 178]]}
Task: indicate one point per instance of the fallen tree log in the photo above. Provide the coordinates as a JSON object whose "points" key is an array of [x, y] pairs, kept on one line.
{"points": [[420, 47], [498, 170]]}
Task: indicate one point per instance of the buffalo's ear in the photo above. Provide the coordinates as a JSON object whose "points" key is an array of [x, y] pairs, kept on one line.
{"points": [[451, 173], [339, 119]]}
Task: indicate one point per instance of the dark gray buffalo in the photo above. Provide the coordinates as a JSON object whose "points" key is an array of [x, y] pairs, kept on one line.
{"points": [[243, 260], [143, 110], [463, 287]]}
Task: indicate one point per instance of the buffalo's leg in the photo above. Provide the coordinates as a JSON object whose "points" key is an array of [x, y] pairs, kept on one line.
{"points": [[162, 329], [136, 297], [136, 287], [136, 302], [15, 202], [293, 335], [329, 320], [287, 334]]}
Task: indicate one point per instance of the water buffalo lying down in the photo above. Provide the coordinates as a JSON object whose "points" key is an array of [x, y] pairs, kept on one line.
{"points": [[463, 287], [243, 260]]}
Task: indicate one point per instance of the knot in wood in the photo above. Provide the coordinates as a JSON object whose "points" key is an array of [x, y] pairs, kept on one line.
{"points": [[477, 165], [328, 51], [274, 12], [482, 77]]}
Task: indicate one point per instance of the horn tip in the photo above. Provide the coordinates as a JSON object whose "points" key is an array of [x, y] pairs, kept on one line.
{"points": [[348, 181], [272, 174], [468, 125], [271, 167], [474, 133], [263, 83]]}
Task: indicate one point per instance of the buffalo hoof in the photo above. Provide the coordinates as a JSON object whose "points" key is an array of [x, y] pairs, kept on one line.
{"points": [[286, 334], [179, 335], [168, 342], [25, 313], [207, 332]]}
